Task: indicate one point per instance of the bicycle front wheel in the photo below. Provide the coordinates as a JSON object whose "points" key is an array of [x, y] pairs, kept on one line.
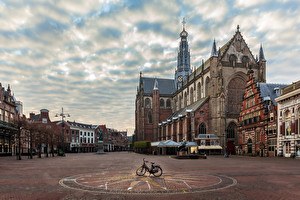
{"points": [[157, 171], [140, 171]]}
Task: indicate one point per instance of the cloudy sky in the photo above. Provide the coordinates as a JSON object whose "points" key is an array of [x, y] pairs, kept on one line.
{"points": [[86, 55]]}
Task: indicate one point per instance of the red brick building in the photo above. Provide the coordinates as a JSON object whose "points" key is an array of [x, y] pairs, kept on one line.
{"points": [[153, 105], [257, 122]]}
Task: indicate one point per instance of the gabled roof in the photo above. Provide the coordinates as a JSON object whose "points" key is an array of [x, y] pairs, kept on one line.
{"points": [[165, 86], [269, 90], [226, 46]]}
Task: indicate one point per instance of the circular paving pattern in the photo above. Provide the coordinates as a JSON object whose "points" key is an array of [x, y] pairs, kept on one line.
{"points": [[130, 183]]}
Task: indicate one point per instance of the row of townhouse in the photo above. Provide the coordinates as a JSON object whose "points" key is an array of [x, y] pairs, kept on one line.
{"points": [[38, 134], [269, 120], [10, 108], [81, 137]]}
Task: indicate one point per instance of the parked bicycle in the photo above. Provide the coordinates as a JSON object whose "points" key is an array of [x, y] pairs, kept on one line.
{"points": [[153, 169]]}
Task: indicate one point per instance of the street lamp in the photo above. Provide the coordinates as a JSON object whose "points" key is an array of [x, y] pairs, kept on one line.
{"points": [[63, 115]]}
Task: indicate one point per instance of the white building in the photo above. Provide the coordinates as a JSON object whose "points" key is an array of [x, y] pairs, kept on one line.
{"points": [[82, 137], [288, 121]]}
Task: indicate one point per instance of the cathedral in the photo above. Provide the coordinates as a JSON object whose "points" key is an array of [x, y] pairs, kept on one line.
{"points": [[206, 100]]}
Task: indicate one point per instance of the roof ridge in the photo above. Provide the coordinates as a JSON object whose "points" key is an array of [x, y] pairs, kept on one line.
{"points": [[157, 78]]}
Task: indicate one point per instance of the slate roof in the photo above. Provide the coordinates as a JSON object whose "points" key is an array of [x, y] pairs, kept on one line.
{"points": [[80, 125], [267, 90], [190, 108], [165, 86]]}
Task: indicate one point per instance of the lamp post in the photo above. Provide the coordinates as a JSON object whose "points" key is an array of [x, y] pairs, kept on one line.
{"points": [[63, 115]]}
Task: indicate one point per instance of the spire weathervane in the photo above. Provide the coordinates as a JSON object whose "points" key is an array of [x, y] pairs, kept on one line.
{"points": [[183, 23]]}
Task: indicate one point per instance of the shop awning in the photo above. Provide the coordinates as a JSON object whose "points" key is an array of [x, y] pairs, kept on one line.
{"points": [[168, 143], [154, 144], [189, 144], [210, 147]]}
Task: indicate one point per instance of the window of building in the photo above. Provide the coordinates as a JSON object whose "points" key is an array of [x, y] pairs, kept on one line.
{"points": [[150, 117], [6, 116], [245, 61], [202, 128], [180, 102], [84, 133], [198, 91], [185, 99], [147, 103], [88, 140], [88, 133], [162, 103], [232, 60], [168, 103], [192, 96], [206, 87], [231, 130]]}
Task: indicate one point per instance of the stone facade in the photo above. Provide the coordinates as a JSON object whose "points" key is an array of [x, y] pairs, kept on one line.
{"points": [[220, 81], [8, 113], [289, 121]]}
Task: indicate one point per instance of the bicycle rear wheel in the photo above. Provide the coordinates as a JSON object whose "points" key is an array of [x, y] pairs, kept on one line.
{"points": [[157, 171], [140, 171]]}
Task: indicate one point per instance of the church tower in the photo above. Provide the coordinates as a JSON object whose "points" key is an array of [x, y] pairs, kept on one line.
{"points": [[183, 69]]}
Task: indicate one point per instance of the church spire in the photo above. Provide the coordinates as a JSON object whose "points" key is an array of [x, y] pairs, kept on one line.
{"points": [[214, 52], [183, 69], [261, 54]]}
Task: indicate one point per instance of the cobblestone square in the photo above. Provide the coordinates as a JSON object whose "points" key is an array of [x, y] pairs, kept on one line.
{"points": [[112, 176]]}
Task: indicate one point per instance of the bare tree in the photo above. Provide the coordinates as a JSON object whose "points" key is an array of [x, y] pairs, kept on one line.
{"points": [[20, 123]]}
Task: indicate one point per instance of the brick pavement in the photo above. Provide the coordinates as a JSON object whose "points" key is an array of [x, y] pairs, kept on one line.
{"points": [[109, 176]]}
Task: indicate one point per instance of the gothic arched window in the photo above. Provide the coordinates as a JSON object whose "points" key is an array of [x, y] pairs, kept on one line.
{"points": [[147, 103], [192, 96], [206, 86], [180, 102], [198, 91], [162, 103], [236, 87], [168, 103], [202, 128], [232, 60], [245, 61], [185, 99], [231, 131], [149, 117]]}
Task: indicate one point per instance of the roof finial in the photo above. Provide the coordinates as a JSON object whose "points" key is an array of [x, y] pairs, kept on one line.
{"points": [[238, 28], [214, 52], [155, 85], [261, 54], [183, 23]]}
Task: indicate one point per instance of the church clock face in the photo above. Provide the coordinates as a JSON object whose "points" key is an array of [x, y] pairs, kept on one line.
{"points": [[180, 78]]}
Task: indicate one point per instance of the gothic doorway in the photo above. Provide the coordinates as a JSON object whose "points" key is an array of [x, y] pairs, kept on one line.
{"points": [[231, 134], [249, 146]]}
